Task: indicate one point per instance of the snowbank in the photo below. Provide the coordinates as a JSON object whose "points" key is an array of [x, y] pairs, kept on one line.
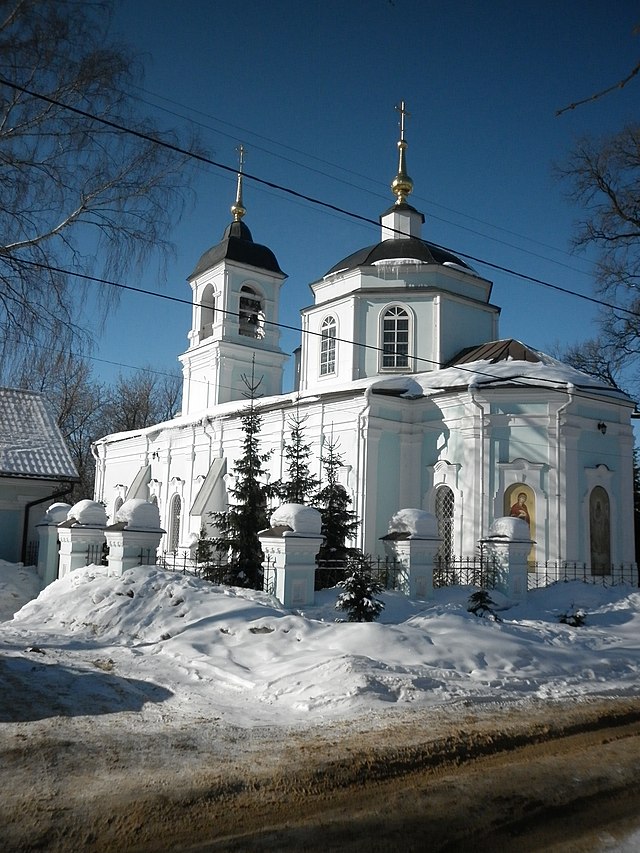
{"points": [[241, 656]]}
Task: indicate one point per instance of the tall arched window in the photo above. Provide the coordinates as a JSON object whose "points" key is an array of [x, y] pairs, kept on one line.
{"points": [[600, 531], [207, 312], [250, 313], [328, 346], [445, 503], [395, 338], [174, 522]]}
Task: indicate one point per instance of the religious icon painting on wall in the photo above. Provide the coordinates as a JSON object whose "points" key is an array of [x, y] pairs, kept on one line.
{"points": [[520, 502]]}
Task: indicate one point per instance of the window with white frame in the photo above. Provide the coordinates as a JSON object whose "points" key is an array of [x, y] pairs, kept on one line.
{"points": [[395, 338], [328, 346]]}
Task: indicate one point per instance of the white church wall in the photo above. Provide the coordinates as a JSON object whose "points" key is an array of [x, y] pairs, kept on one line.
{"points": [[342, 311], [460, 323]]}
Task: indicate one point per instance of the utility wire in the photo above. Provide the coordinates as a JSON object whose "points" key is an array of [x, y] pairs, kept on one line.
{"points": [[375, 193], [308, 332], [287, 190]]}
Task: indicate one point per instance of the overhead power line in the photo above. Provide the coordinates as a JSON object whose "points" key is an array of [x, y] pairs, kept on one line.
{"points": [[288, 327], [377, 193], [287, 190]]}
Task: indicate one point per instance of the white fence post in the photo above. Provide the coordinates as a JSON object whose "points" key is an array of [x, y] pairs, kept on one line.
{"points": [[48, 541], [136, 531], [413, 542], [290, 547], [81, 536], [510, 544]]}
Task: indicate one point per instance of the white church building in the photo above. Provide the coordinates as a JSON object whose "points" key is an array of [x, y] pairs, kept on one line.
{"points": [[401, 364]]}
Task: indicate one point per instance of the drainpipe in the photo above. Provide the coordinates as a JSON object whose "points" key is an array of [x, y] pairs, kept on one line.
{"points": [[361, 461], [482, 457], [100, 465], [27, 510], [559, 413]]}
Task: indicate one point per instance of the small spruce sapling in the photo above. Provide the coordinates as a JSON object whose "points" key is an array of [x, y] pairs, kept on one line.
{"points": [[574, 618], [359, 590], [481, 604]]}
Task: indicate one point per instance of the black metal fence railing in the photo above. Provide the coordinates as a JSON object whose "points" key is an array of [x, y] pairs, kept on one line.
{"points": [[31, 556], [388, 572], [97, 555], [544, 574], [212, 568], [481, 571], [147, 557], [269, 577]]}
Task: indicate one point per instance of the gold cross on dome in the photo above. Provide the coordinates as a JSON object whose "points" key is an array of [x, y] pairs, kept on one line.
{"points": [[402, 109], [240, 150]]}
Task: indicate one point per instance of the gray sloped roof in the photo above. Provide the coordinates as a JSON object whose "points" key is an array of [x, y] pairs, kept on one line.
{"points": [[31, 444]]}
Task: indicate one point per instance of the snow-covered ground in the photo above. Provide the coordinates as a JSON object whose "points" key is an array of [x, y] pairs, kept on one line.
{"points": [[177, 648]]}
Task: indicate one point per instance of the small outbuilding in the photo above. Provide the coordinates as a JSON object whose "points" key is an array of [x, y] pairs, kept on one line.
{"points": [[35, 468]]}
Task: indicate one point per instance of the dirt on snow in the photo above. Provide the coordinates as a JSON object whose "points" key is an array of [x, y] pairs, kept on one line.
{"points": [[553, 777]]}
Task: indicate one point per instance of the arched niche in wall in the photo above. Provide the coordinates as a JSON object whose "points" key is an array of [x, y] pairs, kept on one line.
{"points": [[515, 479], [600, 514]]}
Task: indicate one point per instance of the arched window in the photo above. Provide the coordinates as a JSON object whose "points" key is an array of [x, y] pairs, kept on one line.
{"points": [[153, 500], [116, 506], [250, 313], [395, 338], [445, 503], [328, 346], [207, 312], [174, 522], [600, 531]]}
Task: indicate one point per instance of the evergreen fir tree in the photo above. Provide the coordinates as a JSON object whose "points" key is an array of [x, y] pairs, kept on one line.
{"points": [[339, 522], [299, 484], [359, 590], [481, 604], [240, 524]]}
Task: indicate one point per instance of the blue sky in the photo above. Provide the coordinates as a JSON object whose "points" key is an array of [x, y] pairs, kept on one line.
{"points": [[309, 88]]}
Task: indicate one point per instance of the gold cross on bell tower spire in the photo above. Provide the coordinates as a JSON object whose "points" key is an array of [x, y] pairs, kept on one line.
{"points": [[237, 208], [402, 184]]}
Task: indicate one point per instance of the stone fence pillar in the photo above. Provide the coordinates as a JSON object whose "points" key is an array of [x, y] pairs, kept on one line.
{"points": [[290, 547], [415, 557], [413, 542], [48, 541], [81, 536], [509, 544], [135, 537]]}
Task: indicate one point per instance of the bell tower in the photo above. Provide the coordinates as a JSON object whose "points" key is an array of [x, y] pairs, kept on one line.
{"points": [[235, 292]]}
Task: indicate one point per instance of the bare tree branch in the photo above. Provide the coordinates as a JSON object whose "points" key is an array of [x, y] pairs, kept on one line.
{"points": [[619, 85], [75, 194]]}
